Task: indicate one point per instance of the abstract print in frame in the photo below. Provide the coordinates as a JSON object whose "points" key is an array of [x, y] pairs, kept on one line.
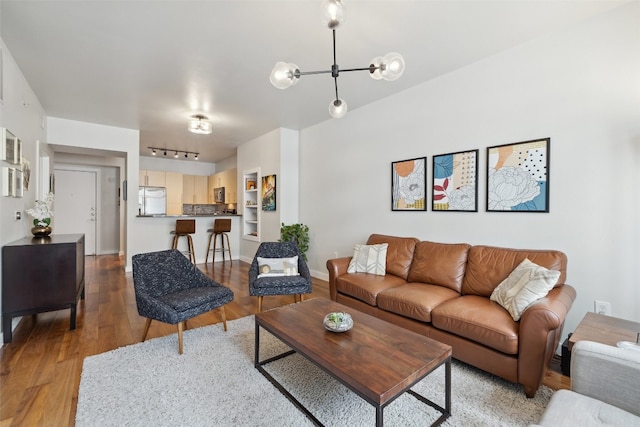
{"points": [[455, 182], [408, 185], [518, 177], [269, 193]]}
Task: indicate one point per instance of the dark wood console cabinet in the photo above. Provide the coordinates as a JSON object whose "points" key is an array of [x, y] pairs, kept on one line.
{"points": [[41, 274]]}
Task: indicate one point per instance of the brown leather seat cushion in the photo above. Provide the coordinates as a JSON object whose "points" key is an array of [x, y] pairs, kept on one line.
{"points": [[399, 252], [478, 319], [439, 264], [366, 287], [415, 300]]}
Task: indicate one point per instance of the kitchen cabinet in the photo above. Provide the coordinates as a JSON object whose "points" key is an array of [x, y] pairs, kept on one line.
{"points": [[149, 178], [41, 274], [174, 193], [228, 180], [231, 186], [194, 189]]}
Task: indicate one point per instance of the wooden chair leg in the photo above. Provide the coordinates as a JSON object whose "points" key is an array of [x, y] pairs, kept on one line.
{"points": [[260, 303], [228, 246], [209, 249], [215, 242], [224, 318], [192, 254], [180, 327], [146, 330], [301, 297]]}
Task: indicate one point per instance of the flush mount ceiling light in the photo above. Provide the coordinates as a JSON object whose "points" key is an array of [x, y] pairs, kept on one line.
{"points": [[388, 67], [200, 124]]}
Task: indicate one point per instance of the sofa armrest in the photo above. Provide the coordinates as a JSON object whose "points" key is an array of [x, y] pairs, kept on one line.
{"points": [[539, 335], [337, 267], [607, 373]]}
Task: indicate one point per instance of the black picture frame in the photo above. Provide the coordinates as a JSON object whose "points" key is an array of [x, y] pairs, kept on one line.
{"points": [[454, 184], [518, 176], [269, 193], [409, 185]]}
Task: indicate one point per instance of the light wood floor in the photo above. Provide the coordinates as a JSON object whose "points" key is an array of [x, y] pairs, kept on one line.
{"points": [[40, 370]]}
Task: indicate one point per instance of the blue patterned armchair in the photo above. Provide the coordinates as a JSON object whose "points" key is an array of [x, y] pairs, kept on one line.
{"points": [[169, 288], [262, 284]]}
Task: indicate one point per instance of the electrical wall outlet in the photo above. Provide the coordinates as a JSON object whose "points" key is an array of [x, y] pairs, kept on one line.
{"points": [[335, 254], [602, 307]]}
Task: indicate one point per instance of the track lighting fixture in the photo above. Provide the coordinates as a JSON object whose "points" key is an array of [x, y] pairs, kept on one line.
{"points": [[388, 67], [177, 152]]}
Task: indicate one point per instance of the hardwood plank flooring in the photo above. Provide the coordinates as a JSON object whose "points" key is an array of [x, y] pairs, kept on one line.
{"points": [[40, 370]]}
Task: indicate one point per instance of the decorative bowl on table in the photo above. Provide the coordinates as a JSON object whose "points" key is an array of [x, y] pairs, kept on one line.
{"points": [[338, 321]]}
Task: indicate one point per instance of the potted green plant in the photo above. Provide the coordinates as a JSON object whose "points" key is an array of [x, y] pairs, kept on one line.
{"points": [[298, 233]]}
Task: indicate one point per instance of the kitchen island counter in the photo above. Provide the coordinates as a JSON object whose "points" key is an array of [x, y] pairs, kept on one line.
{"points": [[156, 230]]}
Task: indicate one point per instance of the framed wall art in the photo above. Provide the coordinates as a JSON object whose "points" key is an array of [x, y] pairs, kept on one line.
{"points": [[18, 185], [518, 177], [409, 184], [11, 147], [455, 182], [8, 181], [269, 193]]}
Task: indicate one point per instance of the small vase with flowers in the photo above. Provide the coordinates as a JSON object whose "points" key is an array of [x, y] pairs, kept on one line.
{"points": [[42, 214]]}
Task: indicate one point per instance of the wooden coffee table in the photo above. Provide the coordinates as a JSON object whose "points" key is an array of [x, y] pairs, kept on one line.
{"points": [[377, 360]]}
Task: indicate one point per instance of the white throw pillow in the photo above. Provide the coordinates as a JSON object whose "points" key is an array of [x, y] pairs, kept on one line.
{"points": [[526, 284], [273, 267], [370, 259]]}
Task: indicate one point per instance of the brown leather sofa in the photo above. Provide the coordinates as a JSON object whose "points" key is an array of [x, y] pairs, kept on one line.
{"points": [[442, 291]]}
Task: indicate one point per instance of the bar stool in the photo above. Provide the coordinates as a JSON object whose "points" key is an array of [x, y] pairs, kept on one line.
{"points": [[220, 228], [185, 228]]}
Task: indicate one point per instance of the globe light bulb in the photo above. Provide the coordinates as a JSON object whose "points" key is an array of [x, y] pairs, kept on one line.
{"points": [[283, 75], [337, 108], [332, 13], [392, 66]]}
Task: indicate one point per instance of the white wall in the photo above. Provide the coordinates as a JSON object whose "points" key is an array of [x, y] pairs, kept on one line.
{"points": [[22, 114], [120, 141], [580, 87], [170, 164], [269, 152]]}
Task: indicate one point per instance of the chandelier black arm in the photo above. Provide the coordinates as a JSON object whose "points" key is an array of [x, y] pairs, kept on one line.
{"points": [[335, 71]]}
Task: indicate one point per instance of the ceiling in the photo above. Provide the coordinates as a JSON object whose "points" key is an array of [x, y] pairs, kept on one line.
{"points": [[150, 65]]}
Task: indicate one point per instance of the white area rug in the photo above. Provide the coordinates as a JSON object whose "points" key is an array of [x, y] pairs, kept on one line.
{"points": [[214, 383]]}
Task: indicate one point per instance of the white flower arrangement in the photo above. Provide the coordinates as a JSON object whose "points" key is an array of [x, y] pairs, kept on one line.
{"points": [[42, 213]]}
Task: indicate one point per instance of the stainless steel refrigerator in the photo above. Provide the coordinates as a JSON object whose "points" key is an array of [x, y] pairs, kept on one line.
{"points": [[152, 201]]}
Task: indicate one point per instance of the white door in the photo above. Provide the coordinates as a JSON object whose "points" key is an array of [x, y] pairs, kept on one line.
{"points": [[75, 206]]}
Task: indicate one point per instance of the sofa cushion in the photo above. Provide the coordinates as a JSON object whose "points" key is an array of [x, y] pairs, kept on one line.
{"points": [[370, 259], [525, 285], [478, 319], [488, 266], [399, 252], [439, 264], [366, 287], [415, 300]]}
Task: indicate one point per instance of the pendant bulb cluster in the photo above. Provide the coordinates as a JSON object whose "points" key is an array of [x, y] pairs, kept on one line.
{"points": [[389, 67]]}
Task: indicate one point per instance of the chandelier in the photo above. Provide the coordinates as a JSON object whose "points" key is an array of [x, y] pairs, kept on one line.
{"points": [[200, 124], [388, 67]]}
